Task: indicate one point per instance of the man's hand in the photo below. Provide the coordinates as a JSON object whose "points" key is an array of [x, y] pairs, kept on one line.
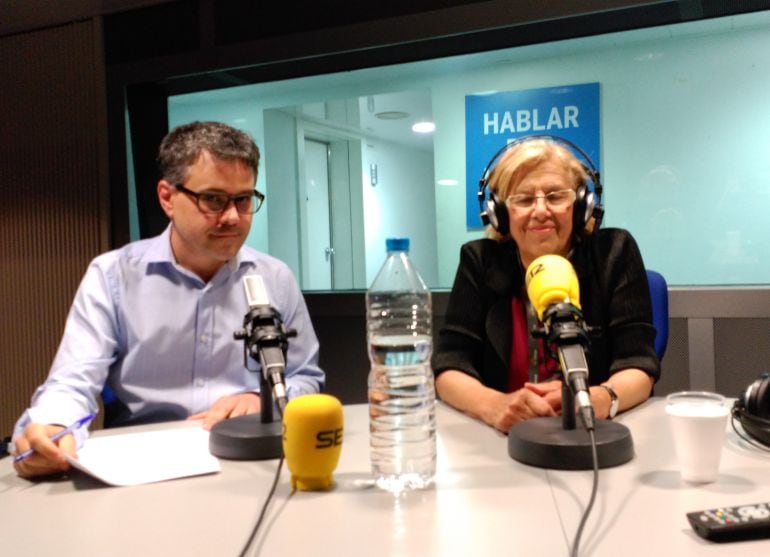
{"points": [[48, 457], [228, 407]]}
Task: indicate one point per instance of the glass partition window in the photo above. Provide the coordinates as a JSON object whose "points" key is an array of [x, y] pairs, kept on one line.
{"points": [[685, 151]]}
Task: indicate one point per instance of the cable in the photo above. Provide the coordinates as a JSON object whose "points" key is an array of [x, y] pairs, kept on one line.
{"points": [[270, 495], [594, 489], [742, 435], [245, 549]]}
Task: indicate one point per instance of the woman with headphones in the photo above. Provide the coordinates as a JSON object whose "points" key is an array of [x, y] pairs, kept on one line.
{"points": [[537, 201]]}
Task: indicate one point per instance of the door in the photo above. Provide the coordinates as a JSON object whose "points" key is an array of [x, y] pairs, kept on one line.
{"points": [[320, 252]]}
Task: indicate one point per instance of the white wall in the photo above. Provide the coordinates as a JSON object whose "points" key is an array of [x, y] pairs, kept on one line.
{"points": [[400, 205]]}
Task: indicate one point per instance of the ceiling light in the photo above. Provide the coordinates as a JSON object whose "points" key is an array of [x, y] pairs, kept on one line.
{"points": [[447, 182], [424, 127]]}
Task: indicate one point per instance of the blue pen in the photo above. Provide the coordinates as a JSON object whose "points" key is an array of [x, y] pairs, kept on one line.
{"points": [[69, 429]]}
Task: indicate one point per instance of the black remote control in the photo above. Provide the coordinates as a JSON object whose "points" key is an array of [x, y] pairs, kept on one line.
{"points": [[727, 524]]}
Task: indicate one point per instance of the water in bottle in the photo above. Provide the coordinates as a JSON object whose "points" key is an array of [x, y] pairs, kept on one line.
{"points": [[401, 389]]}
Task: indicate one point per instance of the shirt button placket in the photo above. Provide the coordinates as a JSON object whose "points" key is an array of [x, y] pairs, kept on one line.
{"points": [[202, 353]]}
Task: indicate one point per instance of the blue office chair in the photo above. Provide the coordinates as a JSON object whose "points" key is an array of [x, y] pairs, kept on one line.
{"points": [[112, 406], [659, 298]]}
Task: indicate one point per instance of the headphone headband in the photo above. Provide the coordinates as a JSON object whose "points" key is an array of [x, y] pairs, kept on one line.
{"points": [[591, 169]]}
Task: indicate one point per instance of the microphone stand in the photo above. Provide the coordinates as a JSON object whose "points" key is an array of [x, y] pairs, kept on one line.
{"points": [[257, 436], [557, 443], [568, 422]]}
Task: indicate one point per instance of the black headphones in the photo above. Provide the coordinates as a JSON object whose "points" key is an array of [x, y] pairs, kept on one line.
{"points": [[752, 411], [587, 212]]}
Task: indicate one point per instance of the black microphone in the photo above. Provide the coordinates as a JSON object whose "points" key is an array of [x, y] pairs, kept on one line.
{"points": [[553, 290], [265, 340]]}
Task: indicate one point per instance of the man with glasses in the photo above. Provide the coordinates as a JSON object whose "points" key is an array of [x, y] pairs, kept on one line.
{"points": [[486, 362], [154, 321]]}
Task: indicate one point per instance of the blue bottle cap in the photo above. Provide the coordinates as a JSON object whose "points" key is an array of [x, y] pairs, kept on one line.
{"points": [[397, 244]]}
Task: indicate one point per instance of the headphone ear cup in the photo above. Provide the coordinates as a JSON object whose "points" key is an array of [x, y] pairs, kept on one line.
{"points": [[752, 410], [758, 401], [580, 211], [497, 213], [587, 212]]}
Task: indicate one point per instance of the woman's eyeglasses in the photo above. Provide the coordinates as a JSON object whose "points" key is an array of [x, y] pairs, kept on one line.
{"points": [[559, 199]]}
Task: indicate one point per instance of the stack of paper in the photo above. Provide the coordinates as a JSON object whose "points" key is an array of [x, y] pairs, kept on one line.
{"points": [[146, 457]]}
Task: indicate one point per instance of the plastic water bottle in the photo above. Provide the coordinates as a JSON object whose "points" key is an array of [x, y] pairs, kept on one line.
{"points": [[402, 396]]}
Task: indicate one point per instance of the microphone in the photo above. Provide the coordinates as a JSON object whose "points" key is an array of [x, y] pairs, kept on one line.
{"points": [[258, 437], [553, 290], [265, 340], [312, 440]]}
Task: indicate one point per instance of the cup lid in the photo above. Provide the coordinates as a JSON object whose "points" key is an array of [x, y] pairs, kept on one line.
{"points": [[695, 397]]}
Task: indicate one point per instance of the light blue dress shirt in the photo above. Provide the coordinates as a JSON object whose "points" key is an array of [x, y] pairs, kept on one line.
{"points": [[162, 339]]}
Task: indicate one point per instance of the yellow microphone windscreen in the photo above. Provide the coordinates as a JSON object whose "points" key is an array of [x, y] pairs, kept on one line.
{"points": [[551, 279], [312, 440]]}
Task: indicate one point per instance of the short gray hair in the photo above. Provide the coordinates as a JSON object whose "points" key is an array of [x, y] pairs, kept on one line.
{"points": [[183, 145]]}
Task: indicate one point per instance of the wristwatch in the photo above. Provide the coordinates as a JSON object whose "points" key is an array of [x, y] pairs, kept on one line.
{"points": [[614, 402]]}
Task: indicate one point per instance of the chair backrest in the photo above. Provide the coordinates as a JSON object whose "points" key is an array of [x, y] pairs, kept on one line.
{"points": [[659, 298]]}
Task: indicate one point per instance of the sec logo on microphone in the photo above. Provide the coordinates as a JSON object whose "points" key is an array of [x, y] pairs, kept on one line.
{"points": [[329, 438]]}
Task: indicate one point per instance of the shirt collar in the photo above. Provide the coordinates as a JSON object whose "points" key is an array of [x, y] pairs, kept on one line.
{"points": [[159, 248]]}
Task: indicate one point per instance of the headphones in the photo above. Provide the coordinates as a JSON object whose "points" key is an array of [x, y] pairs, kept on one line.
{"points": [[752, 411], [587, 212]]}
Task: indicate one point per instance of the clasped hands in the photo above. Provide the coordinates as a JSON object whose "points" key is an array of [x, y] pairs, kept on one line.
{"points": [[535, 400]]}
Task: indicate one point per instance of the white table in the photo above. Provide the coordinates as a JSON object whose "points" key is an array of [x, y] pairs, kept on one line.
{"points": [[483, 503]]}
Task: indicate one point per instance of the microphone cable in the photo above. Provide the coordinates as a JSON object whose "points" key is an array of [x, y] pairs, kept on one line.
{"points": [[266, 504], [594, 489]]}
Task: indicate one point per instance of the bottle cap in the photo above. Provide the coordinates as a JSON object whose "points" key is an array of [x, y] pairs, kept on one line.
{"points": [[397, 244]]}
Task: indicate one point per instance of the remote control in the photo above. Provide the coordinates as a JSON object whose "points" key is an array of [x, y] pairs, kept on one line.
{"points": [[726, 524]]}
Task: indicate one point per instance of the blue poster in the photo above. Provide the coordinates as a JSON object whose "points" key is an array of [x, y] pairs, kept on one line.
{"points": [[570, 112]]}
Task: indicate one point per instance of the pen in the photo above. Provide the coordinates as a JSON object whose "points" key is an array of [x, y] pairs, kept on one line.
{"points": [[56, 436]]}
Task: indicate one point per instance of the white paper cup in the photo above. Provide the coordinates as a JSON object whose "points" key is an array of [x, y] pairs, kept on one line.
{"points": [[698, 420]]}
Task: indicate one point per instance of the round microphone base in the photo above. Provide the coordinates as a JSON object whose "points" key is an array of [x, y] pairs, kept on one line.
{"points": [[544, 442], [246, 438]]}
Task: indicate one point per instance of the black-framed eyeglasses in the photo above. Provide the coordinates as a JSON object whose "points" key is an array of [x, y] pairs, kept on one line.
{"points": [[213, 203]]}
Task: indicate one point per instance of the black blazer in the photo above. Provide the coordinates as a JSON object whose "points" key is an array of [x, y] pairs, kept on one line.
{"points": [[614, 296]]}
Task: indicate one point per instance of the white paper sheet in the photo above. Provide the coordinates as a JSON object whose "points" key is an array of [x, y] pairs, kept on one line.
{"points": [[146, 457]]}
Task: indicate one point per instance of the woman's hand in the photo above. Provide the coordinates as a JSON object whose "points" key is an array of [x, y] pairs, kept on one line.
{"points": [[499, 410], [550, 391], [506, 409]]}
